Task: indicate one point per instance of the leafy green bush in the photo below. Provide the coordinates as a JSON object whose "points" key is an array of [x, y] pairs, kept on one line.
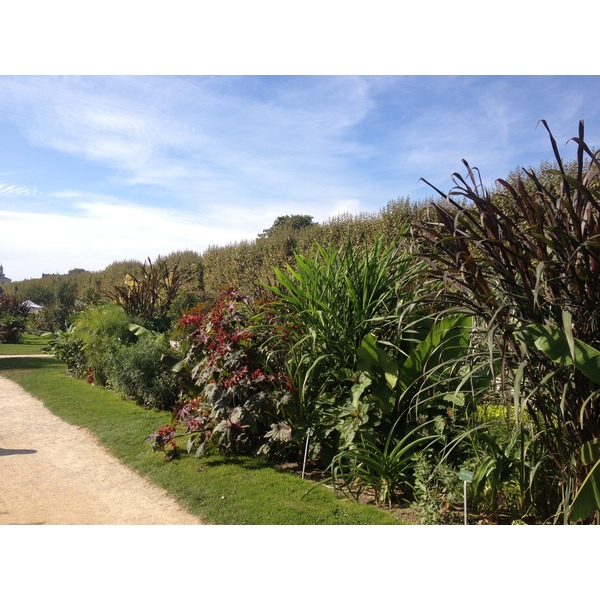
{"points": [[387, 470], [70, 351], [437, 488], [138, 371], [101, 330], [11, 329]]}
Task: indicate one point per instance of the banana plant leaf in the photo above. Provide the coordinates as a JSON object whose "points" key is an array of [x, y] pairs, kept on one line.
{"points": [[372, 358], [563, 349], [447, 340], [587, 499], [376, 361]]}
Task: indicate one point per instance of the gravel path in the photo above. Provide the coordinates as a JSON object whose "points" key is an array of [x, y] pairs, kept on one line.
{"points": [[52, 472]]}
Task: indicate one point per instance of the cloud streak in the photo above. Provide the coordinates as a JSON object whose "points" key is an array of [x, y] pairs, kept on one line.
{"points": [[16, 190]]}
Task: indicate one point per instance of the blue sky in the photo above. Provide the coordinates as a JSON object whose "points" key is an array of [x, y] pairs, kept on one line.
{"points": [[95, 169]]}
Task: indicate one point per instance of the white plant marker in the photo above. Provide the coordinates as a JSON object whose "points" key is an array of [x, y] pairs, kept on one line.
{"points": [[465, 476]]}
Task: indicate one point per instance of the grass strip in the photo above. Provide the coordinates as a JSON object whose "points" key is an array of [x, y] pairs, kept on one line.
{"points": [[31, 344], [219, 490]]}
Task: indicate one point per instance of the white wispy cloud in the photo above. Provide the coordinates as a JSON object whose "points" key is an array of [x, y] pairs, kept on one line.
{"points": [[197, 137], [16, 190], [98, 233]]}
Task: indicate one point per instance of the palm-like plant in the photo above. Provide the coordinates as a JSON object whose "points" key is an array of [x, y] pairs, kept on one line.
{"points": [[150, 294]]}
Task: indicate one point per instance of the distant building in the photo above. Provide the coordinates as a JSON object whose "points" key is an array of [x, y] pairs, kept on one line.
{"points": [[3, 279]]}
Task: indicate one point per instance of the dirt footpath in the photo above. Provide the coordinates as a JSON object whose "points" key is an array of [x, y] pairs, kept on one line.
{"points": [[55, 473]]}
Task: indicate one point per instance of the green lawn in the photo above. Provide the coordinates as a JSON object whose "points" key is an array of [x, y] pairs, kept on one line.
{"points": [[31, 344], [219, 490]]}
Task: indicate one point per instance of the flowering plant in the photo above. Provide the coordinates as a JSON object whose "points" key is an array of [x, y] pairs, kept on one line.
{"points": [[237, 392]]}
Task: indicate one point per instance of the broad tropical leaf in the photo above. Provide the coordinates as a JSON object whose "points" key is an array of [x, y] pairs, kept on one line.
{"points": [[449, 338], [556, 345], [587, 499]]}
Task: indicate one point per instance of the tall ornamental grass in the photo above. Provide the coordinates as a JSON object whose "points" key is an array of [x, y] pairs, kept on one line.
{"points": [[323, 307], [532, 274], [335, 296]]}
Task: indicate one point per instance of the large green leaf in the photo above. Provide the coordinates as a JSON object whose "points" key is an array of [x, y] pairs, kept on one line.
{"points": [[563, 349], [448, 339], [373, 359], [363, 383], [590, 452], [587, 499]]}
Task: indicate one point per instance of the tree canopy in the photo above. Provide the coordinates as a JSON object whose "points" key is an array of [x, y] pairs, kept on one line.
{"points": [[293, 222]]}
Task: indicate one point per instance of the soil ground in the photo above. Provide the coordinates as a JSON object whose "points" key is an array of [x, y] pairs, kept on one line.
{"points": [[52, 472]]}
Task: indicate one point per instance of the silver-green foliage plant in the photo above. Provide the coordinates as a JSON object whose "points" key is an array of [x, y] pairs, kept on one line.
{"points": [[139, 371]]}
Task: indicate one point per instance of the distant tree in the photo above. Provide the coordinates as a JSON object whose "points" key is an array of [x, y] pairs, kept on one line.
{"points": [[289, 222], [59, 306], [36, 292]]}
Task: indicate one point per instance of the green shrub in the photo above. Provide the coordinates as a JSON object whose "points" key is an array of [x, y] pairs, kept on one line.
{"points": [[70, 351], [101, 329], [437, 489], [11, 329], [386, 470], [138, 371]]}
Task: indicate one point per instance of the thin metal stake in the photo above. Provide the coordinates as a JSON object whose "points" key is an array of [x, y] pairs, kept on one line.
{"points": [[305, 455], [465, 497]]}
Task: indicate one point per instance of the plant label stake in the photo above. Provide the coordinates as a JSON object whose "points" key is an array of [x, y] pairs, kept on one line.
{"points": [[308, 434], [466, 477]]}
